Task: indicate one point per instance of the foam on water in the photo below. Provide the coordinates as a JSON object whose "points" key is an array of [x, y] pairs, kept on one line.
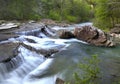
{"points": [[72, 27], [31, 67]]}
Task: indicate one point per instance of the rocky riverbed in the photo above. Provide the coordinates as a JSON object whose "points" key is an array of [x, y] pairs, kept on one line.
{"points": [[10, 31], [33, 52], [44, 29]]}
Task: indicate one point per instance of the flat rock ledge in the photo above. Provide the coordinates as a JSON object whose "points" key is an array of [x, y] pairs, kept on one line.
{"points": [[8, 50], [10, 25]]}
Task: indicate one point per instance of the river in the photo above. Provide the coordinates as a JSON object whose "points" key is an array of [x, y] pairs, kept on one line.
{"points": [[31, 67]]}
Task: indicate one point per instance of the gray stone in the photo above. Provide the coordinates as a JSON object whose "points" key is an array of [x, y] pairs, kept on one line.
{"points": [[7, 36], [59, 81], [8, 50], [66, 34], [93, 36]]}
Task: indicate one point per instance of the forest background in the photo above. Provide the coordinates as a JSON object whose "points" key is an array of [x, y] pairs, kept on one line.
{"points": [[103, 13]]}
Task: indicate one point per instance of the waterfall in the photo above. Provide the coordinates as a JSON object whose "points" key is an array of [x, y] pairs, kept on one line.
{"points": [[30, 56], [21, 65]]}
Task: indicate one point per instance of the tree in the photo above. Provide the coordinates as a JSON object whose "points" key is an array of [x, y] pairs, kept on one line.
{"points": [[107, 13], [17, 9], [68, 10], [114, 10]]}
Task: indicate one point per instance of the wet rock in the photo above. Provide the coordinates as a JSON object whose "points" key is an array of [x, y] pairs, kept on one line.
{"points": [[10, 25], [86, 33], [35, 29], [93, 36], [7, 36], [30, 40], [32, 28], [59, 81], [66, 35], [8, 50], [46, 52]]}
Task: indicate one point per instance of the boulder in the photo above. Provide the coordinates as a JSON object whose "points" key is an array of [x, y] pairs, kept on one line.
{"points": [[8, 50], [59, 81], [66, 35], [86, 33], [93, 36]]}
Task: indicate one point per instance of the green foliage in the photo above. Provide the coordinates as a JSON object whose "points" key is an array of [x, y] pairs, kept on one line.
{"points": [[71, 18], [118, 82], [79, 11], [102, 20], [68, 10], [54, 15], [90, 71], [18, 9], [107, 13]]}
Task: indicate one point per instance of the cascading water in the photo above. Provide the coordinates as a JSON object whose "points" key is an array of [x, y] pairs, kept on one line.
{"points": [[17, 69], [30, 66]]}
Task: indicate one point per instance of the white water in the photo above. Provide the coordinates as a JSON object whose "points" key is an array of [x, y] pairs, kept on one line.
{"points": [[28, 64], [31, 67]]}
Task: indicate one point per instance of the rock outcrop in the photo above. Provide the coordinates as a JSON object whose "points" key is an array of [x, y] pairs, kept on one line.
{"points": [[7, 36], [8, 50], [35, 29], [66, 34], [59, 81], [93, 36], [45, 52]]}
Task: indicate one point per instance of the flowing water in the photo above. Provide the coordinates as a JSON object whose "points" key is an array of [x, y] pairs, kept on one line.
{"points": [[31, 67]]}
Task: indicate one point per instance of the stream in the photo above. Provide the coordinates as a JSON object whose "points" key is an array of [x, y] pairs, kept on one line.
{"points": [[30, 66]]}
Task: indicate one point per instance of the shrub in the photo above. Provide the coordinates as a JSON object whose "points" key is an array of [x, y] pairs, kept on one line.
{"points": [[71, 18], [54, 15], [90, 71]]}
